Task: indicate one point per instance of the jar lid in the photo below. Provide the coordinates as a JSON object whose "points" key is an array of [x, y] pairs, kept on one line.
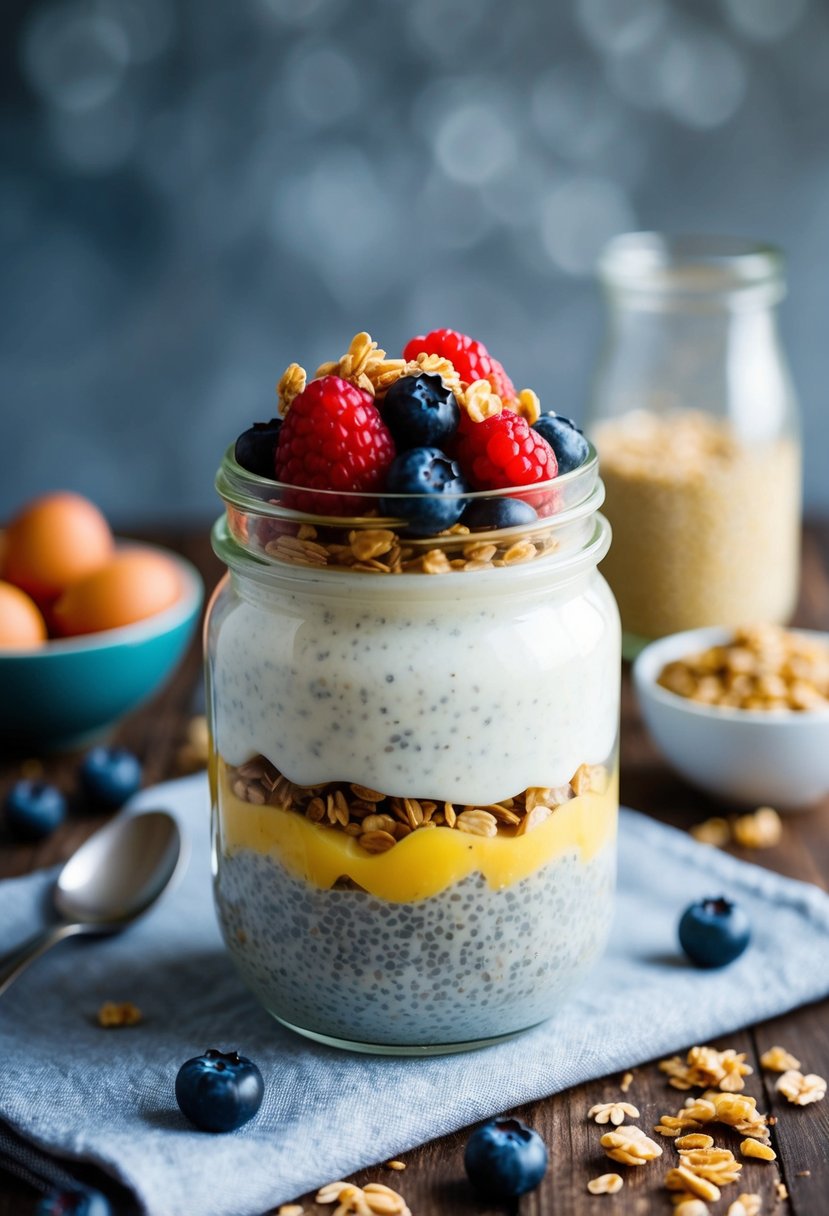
{"points": [[717, 269]]}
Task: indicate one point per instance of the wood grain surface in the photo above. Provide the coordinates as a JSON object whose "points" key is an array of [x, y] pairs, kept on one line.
{"points": [[433, 1182]]}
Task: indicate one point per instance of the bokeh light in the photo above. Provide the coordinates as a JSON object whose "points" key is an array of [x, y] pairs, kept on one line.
{"points": [[194, 194], [578, 217], [74, 57]]}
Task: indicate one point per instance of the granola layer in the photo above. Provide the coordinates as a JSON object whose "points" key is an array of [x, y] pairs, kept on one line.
{"points": [[395, 860]]}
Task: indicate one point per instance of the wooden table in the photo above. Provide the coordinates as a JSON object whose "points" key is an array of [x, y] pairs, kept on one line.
{"points": [[433, 1182]]}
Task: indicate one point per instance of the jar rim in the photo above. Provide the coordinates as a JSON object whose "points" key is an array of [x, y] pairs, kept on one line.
{"points": [[690, 264], [267, 523], [590, 550], [242, 488]]}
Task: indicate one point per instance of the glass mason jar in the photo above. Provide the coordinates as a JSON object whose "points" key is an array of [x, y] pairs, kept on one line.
{"points": [[414, 761], [696, 424]]}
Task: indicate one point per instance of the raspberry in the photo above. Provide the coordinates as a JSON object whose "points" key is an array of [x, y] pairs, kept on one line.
{"points": [[503, 451], [471, 359], [333, 438]]}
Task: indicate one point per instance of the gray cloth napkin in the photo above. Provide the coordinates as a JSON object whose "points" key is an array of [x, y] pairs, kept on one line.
{"points": [[73, 1095]]}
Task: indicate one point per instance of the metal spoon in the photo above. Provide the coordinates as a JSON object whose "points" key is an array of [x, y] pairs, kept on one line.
{"points": [[111, 880]]}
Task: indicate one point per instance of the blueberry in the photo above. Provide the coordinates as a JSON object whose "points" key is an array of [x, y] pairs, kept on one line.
{"points": [[33, 809], [219, 1091], [713, 932], [492, 513], [428, 472], [109, 776], [504, 1159], [73, 1203], [565, 438], [255, 447], [420, 412]]}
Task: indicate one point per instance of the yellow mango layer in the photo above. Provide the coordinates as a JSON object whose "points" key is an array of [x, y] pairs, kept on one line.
{"points": [[422, 864]]}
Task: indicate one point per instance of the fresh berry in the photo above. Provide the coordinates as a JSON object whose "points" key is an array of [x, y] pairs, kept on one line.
{"points": [[333, 438], [109, 776], [491, 513], [256, 447], [565, 438], [713, 932], [219, 1091], [420, 412], [73, 1203], [33, 809], [503, 451], [470, 359], [505, 1159], [429, 473]]}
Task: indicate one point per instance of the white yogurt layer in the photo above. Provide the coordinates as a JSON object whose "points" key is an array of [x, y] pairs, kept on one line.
{"points": [[462, 688]]}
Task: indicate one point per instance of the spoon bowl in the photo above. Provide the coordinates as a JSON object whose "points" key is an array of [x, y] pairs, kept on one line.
{"points": [[110, 881], [120, 871]]}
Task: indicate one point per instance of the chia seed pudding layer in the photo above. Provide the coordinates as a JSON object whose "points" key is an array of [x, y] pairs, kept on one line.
{"points": [[488, 687], [471, 962]]}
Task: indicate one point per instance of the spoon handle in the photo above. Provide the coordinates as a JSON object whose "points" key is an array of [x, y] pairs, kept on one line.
{"points": [[17, 960]]}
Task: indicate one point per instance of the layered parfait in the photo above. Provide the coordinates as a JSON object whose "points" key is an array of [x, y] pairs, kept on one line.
{"points": [[413, 680]]}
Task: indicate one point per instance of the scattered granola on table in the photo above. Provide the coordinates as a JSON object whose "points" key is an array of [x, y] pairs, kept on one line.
{"points": [[715, 831], [717, 1165], [630, 1146], [688, 1205], [801, 1090], [777, 1059], [705, 1066], [373, 1199], [753, 1148], [605, 1184], [612, 1112], [113, 1015], [735, 1110], [762, 829], [745, 1205], [683, 1179], [694, 1140]]}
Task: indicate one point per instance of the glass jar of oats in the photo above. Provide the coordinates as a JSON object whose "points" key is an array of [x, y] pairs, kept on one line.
{"points": [[414, 762], [696, 424]]}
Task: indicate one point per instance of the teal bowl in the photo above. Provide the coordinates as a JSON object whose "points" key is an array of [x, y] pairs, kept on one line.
{"points": [[70, 690]]}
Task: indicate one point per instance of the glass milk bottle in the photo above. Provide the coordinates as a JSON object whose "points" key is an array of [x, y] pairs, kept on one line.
{"points": [[696, 424]]}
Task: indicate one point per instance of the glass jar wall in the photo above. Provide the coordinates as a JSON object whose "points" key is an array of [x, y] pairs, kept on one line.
{"points": [[696, 424], [414, 773]]}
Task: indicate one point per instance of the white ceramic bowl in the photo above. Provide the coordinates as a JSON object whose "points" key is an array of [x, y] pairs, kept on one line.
{"points": [[778, 758]]}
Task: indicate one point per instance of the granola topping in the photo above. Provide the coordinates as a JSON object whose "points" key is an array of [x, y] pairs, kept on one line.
{"points": [[377, 550]]}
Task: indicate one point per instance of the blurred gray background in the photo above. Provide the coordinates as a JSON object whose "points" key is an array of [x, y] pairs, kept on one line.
{"points": [[196, 192]]}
